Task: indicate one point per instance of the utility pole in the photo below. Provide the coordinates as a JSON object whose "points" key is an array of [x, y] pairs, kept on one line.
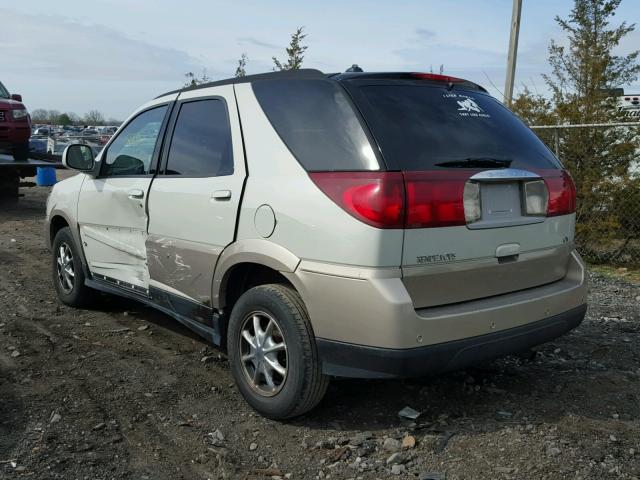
{"points": [[513, 51]]}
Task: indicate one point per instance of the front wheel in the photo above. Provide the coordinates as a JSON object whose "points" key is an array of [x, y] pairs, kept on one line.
{"points": [[68, 274], [272, 352]]}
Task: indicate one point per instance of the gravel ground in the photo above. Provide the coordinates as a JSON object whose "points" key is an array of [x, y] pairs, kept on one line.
{"points": [[122, 391]]}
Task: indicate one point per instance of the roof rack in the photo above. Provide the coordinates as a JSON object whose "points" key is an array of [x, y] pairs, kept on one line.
{"points": [[303, 73]]}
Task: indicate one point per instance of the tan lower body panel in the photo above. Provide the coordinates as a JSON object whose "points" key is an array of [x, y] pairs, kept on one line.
{"points": [[373, 308], [457, 282], [183, 267]]}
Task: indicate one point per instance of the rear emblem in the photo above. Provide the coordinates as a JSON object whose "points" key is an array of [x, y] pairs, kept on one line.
{"points": [[438, 258]]}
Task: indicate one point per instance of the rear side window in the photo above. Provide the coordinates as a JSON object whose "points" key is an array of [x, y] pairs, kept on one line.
{"points": [[316, 121], [201, 143], [431, 127]]}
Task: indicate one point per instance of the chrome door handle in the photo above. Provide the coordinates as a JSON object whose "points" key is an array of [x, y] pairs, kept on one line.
{"points": [[135, 193], [221, 195]]}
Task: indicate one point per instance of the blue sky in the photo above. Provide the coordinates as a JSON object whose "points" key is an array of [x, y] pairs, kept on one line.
{"points": [[113, 55]]}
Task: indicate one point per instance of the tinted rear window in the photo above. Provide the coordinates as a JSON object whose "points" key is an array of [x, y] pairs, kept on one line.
{"points": [[430, 127], [317, 122]]}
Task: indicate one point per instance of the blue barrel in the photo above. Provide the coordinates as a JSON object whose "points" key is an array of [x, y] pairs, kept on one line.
{"points": [[45, 176]]}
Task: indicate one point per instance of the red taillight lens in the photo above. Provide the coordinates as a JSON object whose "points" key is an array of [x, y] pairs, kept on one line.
{"points": [[562, 192], [435, 199], [376, 198], [423, 199]]}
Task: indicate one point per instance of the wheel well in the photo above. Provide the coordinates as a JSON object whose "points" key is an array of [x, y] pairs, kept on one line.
{"points": [[57, 223], [244, 276]]}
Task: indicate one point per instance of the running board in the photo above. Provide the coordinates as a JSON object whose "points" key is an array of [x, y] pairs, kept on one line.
{"points": [[192, 315]]}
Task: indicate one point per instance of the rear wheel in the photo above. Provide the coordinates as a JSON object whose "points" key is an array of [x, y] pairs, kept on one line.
{"points": [[68, 273], [21, 152], [272, 352]]}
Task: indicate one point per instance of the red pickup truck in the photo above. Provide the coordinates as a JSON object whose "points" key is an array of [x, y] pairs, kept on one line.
{"points": [[15, 125]]}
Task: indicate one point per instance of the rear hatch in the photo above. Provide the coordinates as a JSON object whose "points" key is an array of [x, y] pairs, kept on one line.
{"points": [[489, 209]]}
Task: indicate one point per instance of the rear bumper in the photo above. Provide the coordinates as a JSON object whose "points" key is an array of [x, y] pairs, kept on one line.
{"points": [[360, 314], [348, 360]]}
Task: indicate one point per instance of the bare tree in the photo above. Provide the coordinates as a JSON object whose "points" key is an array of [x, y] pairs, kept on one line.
{"points": [[93, 117]]}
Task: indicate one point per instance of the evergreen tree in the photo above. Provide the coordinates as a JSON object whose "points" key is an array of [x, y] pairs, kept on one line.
{"points": [[192, 80], [242, 63], [583, 75], [295, 52]]}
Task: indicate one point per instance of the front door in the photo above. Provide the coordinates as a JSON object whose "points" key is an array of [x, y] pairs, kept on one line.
{"points": [[194, 199], [112, 209]]}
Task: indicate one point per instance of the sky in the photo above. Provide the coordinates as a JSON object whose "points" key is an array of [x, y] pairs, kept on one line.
{"points": [[114, 55]]}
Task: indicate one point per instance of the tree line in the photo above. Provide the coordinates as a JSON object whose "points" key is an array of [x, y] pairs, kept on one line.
{"points": [[64, 119]]}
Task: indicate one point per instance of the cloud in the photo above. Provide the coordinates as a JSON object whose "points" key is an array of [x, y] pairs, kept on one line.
{"points": [[52, 46], [425, 34], [257, 42]]}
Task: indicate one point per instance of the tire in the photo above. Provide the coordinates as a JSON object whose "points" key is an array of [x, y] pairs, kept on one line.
{"points": [[21, 152], [76, 293], [303, 385]]}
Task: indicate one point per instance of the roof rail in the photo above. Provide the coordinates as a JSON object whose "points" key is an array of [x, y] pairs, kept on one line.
{"points": [[303, 73]]}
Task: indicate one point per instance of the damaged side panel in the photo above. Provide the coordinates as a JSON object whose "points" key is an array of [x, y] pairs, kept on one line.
{"points": [[113, 227], [182, 267]]}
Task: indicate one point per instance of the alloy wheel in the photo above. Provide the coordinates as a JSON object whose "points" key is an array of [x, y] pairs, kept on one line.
{"points": [[263, 353], [64, 261]]}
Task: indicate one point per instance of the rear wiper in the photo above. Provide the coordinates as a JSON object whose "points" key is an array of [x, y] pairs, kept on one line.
{"points": [[480, 162]]}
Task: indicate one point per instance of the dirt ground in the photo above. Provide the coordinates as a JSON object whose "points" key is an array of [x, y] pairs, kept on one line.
{"points": [[122, 391]]}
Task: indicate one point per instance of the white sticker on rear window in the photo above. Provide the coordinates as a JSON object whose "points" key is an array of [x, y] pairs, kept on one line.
{"points": [[466, 106]]}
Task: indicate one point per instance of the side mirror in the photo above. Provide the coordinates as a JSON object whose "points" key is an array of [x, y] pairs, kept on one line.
{"points": [[16, 97], [78, 157]]}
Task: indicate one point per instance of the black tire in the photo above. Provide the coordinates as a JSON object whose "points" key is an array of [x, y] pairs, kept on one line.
{"points": [[304, 385], [79, 295], [21, 152]]}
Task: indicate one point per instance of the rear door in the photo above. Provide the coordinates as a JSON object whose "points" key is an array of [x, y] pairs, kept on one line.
{"points": [[112, 210], [194, 200], [468, 164]]}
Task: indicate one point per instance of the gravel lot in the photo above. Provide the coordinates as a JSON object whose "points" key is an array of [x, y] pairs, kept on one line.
{"points": [[122, 391]]}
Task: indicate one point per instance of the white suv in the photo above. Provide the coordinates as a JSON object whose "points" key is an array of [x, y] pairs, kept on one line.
{"points": [[369, 225]]}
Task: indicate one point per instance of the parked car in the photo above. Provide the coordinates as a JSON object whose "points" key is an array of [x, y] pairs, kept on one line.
{"points": [[15, 125], [38, 145], [43, 131], [354, 225]]}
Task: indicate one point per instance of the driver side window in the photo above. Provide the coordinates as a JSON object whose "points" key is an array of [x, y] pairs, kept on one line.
{"points": [[131, 153]]}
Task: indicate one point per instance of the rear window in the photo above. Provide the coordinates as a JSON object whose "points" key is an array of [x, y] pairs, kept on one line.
{"points": [[316, 121], [431, 127]]}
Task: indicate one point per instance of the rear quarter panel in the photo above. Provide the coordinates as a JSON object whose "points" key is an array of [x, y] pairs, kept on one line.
{"points": [[308, 223]]}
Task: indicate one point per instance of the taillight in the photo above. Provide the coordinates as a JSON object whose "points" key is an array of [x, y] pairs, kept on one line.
{"points": [[536, 197], [436, 198], [439, 198], [562, 192], [375, 198], [437, 78], [397, 200]]}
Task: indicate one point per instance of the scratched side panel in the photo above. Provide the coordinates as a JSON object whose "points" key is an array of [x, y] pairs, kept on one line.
{"points": [[116, 253], [182, 267]]}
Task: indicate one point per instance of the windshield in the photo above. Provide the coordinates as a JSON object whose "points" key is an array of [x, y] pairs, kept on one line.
{"points": [[4, 93], [431, 128]]}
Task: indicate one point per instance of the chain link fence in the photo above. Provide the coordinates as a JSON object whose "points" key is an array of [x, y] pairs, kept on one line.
{"points": [[608, 212]]}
